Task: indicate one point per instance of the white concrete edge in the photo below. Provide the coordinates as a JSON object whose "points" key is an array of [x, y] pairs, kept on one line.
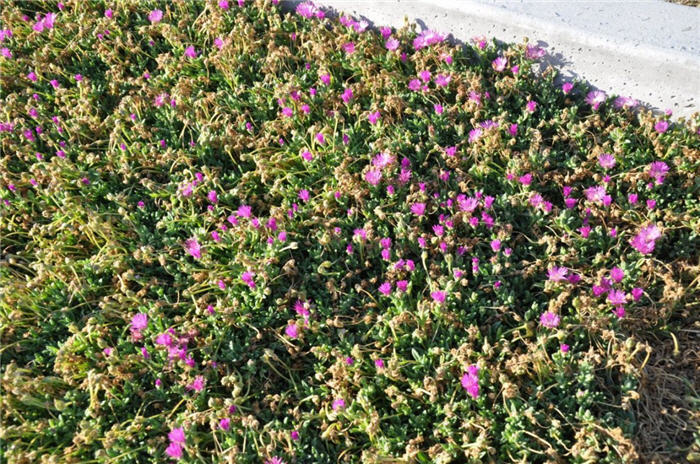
{"points": [[670, 77]]}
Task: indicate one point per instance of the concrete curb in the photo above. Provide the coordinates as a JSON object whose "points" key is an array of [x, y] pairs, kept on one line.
{"points": [[648, 50]]}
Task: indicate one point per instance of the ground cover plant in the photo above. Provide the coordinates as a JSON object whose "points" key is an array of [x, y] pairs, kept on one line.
{"points": [[235, 234]]}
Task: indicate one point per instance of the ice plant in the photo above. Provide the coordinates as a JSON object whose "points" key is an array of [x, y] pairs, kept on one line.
{"points": [[193, 248], [470, 381], [549, 319], [557, 274], [155, 16], [645, 241]]}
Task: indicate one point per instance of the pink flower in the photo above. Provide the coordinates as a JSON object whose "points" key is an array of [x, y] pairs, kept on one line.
{"points": [[475, 134], [155, 16], [402, 285], [190, 52], [177, 435], [385, 288], [326, 78], [534, 52], [338, 404], [637, 293], [499, 64], [595, 98], [418, 209], [617, 274], [644, 241], [379, 363], [617, 297], [661, 126], [606, 160], [391, 44], [294, 435], [219, 42], [309, 10], [427, 38], [139, 321], [108, 351], [247, 277], [193, 248], [349, 48], [304, 195], [223, 4], [531, 106], [347, 95], [619, 311], [470, 381], [564, 348], [549, 320], [566, 87], [495, 245], [274, 460], [174, 450], [197, 384], [438, 296], [292, 330], [442, 80], [373, 176], [658, 170], [557, 274], [373, 117], [225, 424]]}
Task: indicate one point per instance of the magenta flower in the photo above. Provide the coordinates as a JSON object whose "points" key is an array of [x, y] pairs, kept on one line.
{"points": [[442, 80], [292, 330], [564, 348], [661, 126], [495, 245], [595, 98], [155, 16], [617, 297], [373, 176], [193, 248], [274, 460], [174, 450], [637, 293], [338, 404], [326, 78], [557, 274], [197, 384], [304, 195], [225, 424], [374, 117], [402, 285], [531, 106], [606, 160], [418, 209], [427, 38], [438, 296], [247, 277], [475, 134], [385, 288], [534, 52], [177, 435], [309, 10], [391, 44], [658, 170], [549, 320], [644, 241], [190, 52], [139, 321], [470, 381], [347, 95], [349, 48], [499, 64], [566, 87], [617, 274]]}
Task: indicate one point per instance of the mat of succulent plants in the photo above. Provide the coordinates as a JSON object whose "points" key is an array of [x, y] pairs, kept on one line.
{"points": [[235, 234]]}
